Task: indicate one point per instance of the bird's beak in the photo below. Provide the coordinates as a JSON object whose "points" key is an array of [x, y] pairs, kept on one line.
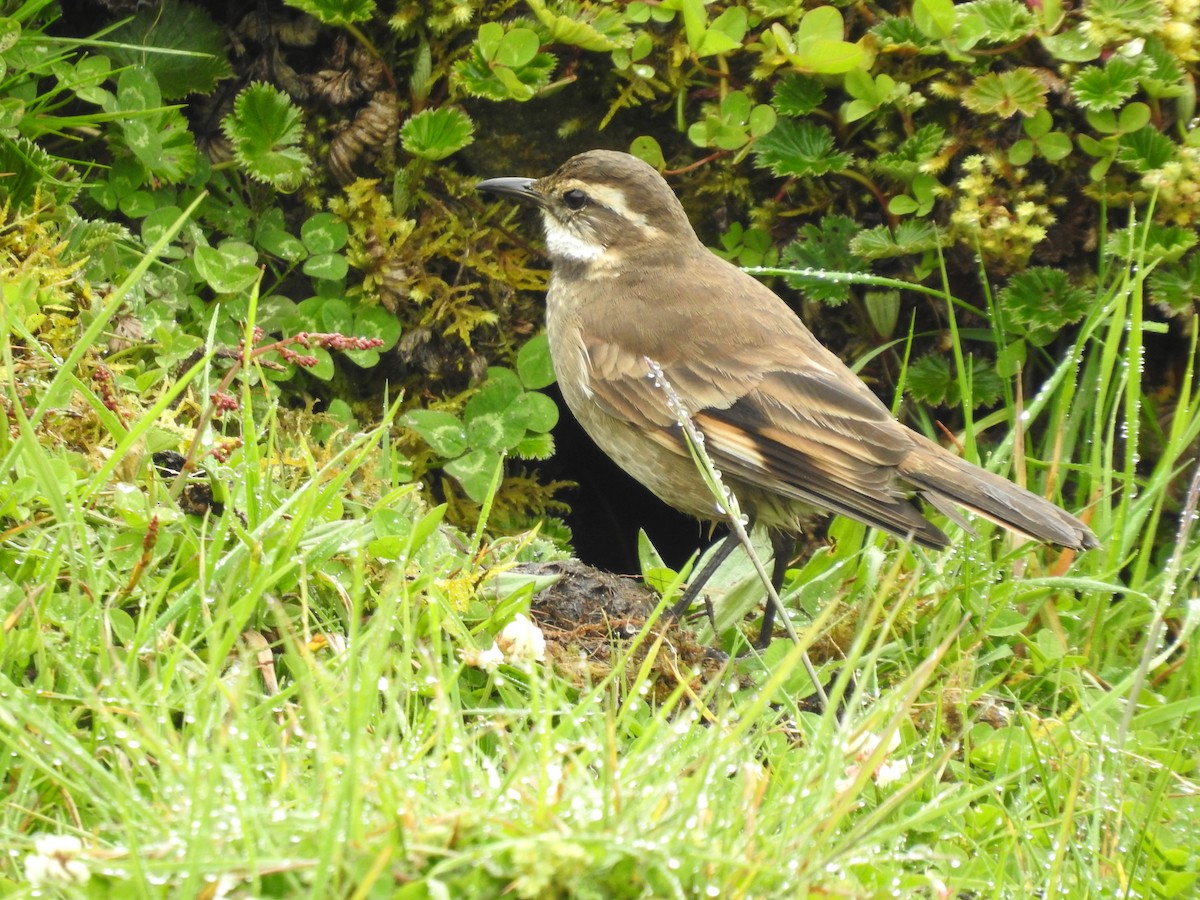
{"points": [[521, 188]]}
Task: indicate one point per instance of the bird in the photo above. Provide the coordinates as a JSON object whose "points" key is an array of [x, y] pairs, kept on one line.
{"points": [[635, 299]]}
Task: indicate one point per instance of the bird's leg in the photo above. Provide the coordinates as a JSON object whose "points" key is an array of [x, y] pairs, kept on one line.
{"points": [[781, 548], [728, 545]]}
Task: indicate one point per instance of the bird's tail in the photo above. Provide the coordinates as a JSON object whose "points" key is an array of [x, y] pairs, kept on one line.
{"points": [[946, 481]]}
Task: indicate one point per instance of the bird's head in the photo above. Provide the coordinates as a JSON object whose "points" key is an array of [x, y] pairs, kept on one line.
{"points": [[603, 207]]}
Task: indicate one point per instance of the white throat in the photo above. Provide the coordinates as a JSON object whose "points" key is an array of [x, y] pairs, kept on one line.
{"points": [[565, 244]]}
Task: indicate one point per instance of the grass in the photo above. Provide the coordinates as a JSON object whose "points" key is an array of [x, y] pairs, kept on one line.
{"points": [[274, 701]]}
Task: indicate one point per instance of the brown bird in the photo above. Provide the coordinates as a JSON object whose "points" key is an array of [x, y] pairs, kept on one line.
{"points": [[788, 425]]}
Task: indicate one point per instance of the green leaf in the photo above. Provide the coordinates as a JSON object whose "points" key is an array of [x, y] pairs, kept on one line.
{"points": [[494, 396], [336, 316], [733, 124], [748, 246], [906, 161], [819, 47], [1006, 93], [535, 446], [1042, 301], [912, 237], [30, 171], [930, 380], [1011, 358], [762, 120], [532, 411], [336, 12], [442, 431], [736, 106], [324, 369], [869, 93], [1052, 145], [228, 269], [647, 149], [1020, 153], [1071, 45], [1125, 17], [902, 33], [825, 23], [1145, 150], [84, 77], [137, 89], [1176, 286], [883, 309], [489, 38], [324, 233], [517, 48], [10, 33], [377, 322], [534, 365], [1168, 78], [732, 22], [157, 136], [596, 29], [824, 247], [1055, 146], [694, 19], [799, 148], [494, 430], [1109, 86], [798, 95], [265, 128], [992, 22], [159, 222], [278, 242], [485, 74], [1038, 124], [1150, 242], [724, 34], [935, 18], [1133, 117], [196, 61], [326, 266], [434, 134], [475, 472]]}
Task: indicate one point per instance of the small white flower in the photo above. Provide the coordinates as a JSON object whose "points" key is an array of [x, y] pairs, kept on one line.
{"points": [[859, 748], [521, 640], [489, 660], [891, 771], [864, 743], [55, 861]]}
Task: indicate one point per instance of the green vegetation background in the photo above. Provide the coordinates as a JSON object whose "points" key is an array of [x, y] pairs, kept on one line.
{"points": [[244, 242]]}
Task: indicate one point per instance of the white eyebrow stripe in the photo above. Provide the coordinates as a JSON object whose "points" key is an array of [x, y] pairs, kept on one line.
{"points": [[614, 199]]}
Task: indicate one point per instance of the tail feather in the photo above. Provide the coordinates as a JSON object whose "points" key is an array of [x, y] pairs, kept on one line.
{"points": [[944, 479]]}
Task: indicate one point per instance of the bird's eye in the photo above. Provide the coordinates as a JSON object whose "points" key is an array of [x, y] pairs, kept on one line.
{"points": [[575, 198]]}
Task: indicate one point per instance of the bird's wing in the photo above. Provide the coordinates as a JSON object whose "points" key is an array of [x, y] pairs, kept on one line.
{"points": [[806, 430]]}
